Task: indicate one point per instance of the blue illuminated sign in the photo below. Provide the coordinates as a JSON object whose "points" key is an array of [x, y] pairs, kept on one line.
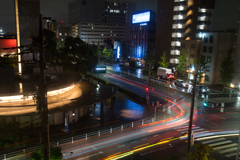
{"points": [[118, 51], [66, 122], [141, 17], [143, 24], [139, 52]]}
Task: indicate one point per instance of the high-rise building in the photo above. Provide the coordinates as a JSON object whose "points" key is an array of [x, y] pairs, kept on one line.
{"points": [[180, 20], [27, 23], [63, 30], [236, 78], [96, 20], [142, 34], [213, 46], [49, 24]]}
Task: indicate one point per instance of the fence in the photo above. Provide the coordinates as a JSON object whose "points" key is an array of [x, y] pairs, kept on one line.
{"points": [[84, 136]]}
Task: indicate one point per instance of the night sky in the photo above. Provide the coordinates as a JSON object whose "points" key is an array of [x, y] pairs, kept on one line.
{"points": [[224, 16]]}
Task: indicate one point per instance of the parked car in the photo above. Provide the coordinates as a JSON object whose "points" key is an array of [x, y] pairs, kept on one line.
{"points": [[181, 83], [202, 89]]}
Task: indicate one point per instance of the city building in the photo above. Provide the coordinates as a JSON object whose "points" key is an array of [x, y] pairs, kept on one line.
{"points": [[191, 49], [180, 20], [95, 20], [236, 78], [49, 24], [63, 30], [142, 34], [27, 23], [214, 47]]}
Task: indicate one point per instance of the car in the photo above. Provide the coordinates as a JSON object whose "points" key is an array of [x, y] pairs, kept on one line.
{"points": [[181, 83], [202, 89]]}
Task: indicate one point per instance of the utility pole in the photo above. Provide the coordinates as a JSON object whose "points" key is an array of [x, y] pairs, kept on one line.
{"points": [[191, 114], [148, 84], [43, 98]]}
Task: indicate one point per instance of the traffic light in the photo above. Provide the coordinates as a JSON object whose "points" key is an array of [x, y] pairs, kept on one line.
{"points": [[205, 104], [146, 89]]}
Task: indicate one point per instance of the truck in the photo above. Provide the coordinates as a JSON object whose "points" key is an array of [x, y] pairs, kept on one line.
{"points": [[165, 73]]}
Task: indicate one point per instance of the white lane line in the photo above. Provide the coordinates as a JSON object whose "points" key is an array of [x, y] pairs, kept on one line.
{"points": [[226, 146], [228, 150], [201, 132], [214, 124], [144, 138], [223, 118], [195, 130], [183, 126], [155, 135], [220, 143], [214, 140], [121, 146], [187, 129], [134, 142], [230, 155]]}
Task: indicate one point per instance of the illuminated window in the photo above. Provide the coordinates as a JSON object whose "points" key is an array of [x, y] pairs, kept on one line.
{"points": [[175, 52], [60, 34], [209, 59], [111, 10], [65, 34], [174, 60]]}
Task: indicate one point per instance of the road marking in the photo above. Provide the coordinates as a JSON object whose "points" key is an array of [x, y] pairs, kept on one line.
{"points": [[214, 140], [144, 138], [228, 150], [121, 146], [232, 154], [223, 118], [226, 146], [155, 135], [214, 124], [134, 142], [100, 152], [187, 129], [220, 143]]}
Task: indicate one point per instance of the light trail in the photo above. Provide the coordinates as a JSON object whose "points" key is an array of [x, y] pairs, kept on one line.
{"points": [[127, 153]]}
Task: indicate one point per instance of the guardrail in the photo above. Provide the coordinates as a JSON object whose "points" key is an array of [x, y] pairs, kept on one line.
{"points": [[156, 81], [85, 136]]}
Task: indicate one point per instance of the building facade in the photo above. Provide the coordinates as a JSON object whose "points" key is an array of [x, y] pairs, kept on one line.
{"points": [[27, 23], [142, 36], [95, 20], [49, 24], [236, 78], [214, 47], [180, 20]]}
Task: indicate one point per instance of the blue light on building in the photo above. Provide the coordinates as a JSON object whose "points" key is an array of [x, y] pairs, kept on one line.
{"points": [[118, 51], [139, 52]]}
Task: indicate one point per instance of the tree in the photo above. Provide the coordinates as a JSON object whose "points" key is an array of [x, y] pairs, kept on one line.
{"points": [[200, 66], [50, 44], [149, 55], [108, 53], [163, 62], [227, 69], [182, 65], [55, 153], [11, 133], [7, 61], [200, 152], [76, 55]]}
